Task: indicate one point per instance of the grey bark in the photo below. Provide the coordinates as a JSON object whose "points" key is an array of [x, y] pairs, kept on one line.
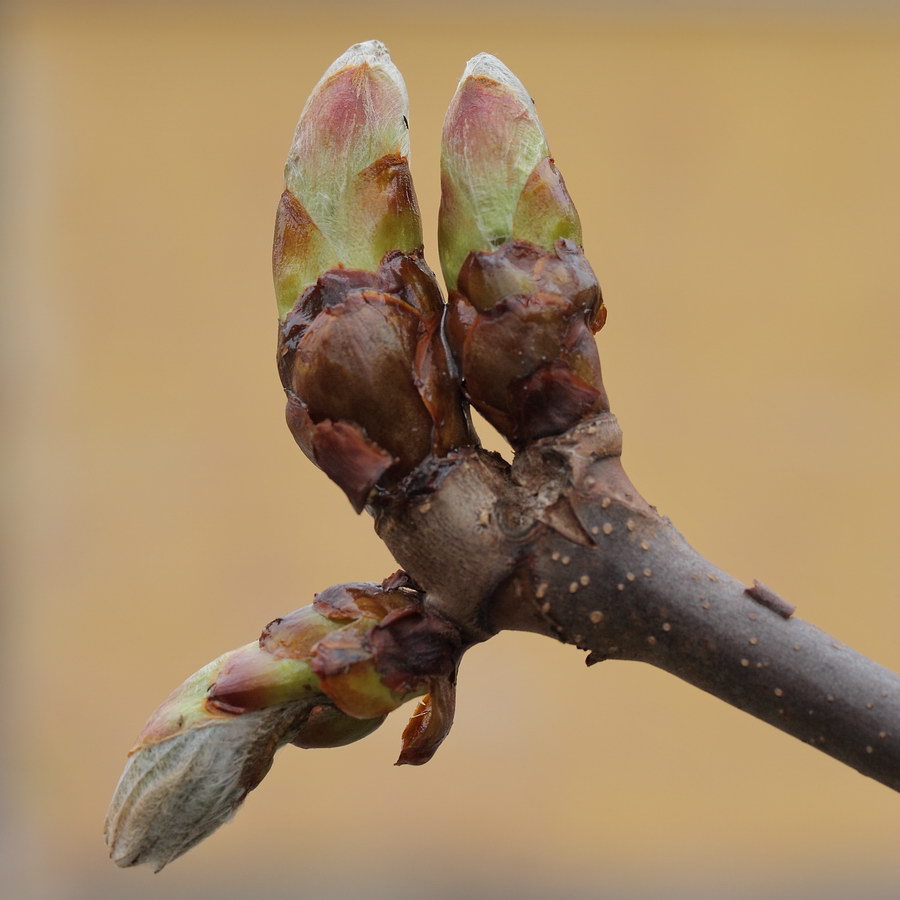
{"points": [[561, 543]]}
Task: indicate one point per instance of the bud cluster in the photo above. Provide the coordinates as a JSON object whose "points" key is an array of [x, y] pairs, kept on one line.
{"points": [[370, 360]]}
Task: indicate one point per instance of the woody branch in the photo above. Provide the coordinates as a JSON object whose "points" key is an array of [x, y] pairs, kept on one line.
{"points": [[378, 374]]}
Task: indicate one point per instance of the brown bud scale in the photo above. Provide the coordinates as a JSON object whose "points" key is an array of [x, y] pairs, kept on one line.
{"points": [[521, 328], [371, 389]]}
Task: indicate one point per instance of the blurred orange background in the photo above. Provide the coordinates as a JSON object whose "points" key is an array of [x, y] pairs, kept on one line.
{"points": [[735, 166]]}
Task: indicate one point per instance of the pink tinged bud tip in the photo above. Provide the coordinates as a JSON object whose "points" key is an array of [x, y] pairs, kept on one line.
{"points": [[498, 181], [348, 197]]}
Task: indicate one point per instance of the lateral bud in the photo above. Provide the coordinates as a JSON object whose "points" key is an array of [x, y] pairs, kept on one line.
{"points": [[322, 676]]}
